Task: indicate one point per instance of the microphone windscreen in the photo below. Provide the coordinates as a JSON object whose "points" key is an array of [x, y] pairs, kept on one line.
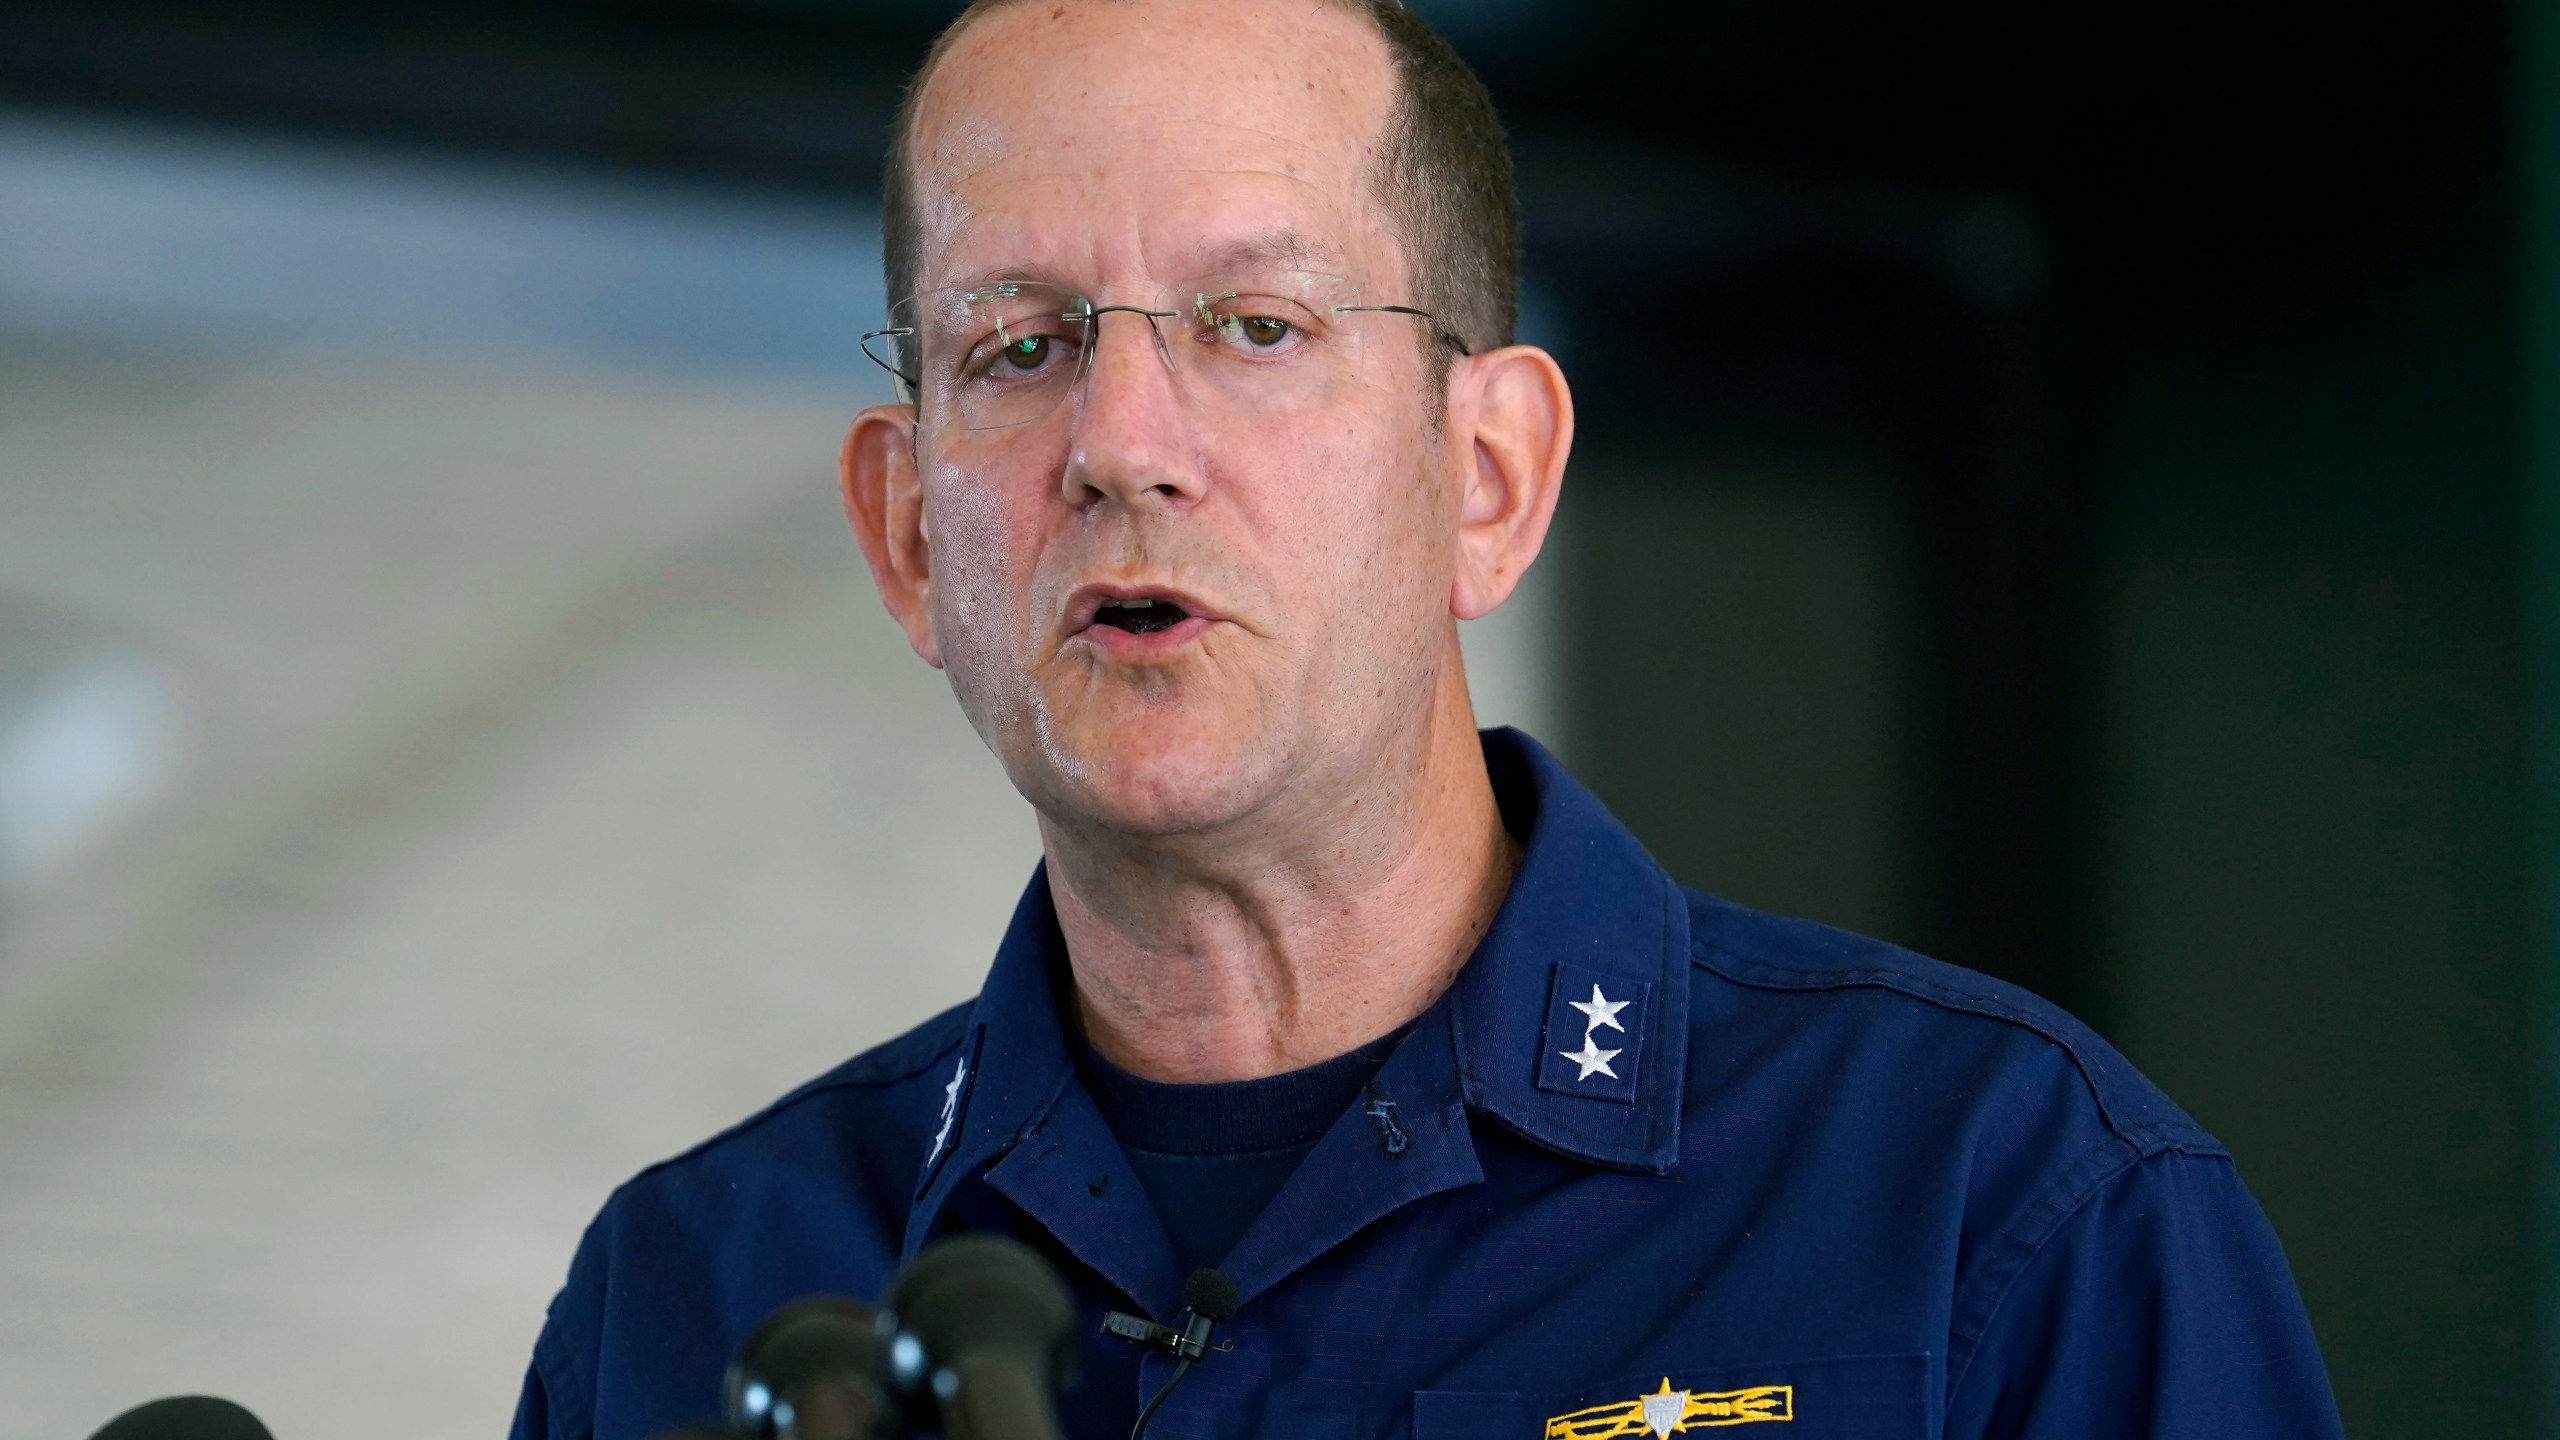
{"points": [[185, 1417], [973, 1290], [810, 1370], [1211, 1294]]}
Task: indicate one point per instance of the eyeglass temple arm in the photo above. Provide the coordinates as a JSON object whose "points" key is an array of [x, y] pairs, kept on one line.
{"points": [[894, 331], [1447, 334]]}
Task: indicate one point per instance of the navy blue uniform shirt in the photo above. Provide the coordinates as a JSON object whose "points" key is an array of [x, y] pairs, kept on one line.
{"points": [[1654, 1165]]}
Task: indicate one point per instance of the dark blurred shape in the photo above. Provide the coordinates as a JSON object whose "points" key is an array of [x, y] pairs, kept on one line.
{"points": [[976, 1327], [2537, 129], [994, 1324], [1901, 347], [781, 92], [811, 1371], [185, 1417]]}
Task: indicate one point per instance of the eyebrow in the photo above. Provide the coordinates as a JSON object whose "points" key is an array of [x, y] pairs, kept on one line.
{"points": [[1000, 275], [1283, 248], [1278, 248]]}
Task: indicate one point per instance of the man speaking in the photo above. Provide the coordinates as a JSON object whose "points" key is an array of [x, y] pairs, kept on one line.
{"points": [[1211, 430]]}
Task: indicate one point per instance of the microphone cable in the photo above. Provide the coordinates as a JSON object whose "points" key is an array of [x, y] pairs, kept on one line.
{"points": [[1147, 1411]]}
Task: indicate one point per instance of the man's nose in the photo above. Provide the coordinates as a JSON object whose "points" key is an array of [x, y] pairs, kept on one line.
{"points": [[1130, 431]]}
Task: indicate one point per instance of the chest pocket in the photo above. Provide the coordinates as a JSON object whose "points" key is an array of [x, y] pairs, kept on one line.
{"points": [[1851, 1397]]}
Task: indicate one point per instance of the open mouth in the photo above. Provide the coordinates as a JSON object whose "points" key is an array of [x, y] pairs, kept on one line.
{"points": [[1140, 617]]}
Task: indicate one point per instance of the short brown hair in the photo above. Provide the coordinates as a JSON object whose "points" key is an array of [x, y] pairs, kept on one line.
{"points": [[1444, 168]]}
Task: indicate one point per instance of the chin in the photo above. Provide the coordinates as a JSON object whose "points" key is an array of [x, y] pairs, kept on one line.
{"points": [[1158, 775]]}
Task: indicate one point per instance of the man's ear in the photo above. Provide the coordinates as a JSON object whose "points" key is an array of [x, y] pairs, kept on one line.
{"points": [[884, 499], [1513, 411]]}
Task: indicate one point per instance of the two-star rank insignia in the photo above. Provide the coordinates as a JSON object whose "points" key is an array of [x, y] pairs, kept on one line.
{"points": [[1667, 1412], [1595, 1026]]}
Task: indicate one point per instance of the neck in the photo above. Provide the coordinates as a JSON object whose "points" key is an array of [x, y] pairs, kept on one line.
{"points": [[1225, 960]]}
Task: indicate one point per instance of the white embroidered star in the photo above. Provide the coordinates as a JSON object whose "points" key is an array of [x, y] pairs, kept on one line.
{"points": [[1601, 1010], [1591, 1057], [950, 1109]]}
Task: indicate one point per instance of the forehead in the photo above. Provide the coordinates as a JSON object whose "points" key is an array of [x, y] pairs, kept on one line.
{"points": [[1103, 138]]}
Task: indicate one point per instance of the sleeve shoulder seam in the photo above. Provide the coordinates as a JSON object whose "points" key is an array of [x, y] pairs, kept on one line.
{"points": [[2148, 1136], [1981, 1298], [571, 1405]]}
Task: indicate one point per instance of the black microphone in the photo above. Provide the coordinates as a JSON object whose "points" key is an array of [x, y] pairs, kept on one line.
{"points": [[1208, 1301], [985, 1325], [810, 1371], [185, 1417]]}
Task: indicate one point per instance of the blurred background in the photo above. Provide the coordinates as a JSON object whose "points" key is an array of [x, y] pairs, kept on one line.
{"points": [[2066, 491]]}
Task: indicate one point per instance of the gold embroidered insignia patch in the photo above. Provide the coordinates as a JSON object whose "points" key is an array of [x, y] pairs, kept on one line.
{"points": [[1667, 1411]]}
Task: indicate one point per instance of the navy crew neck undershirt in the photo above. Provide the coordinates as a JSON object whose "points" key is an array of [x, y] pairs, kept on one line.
{"points": [[1211, 1157]]}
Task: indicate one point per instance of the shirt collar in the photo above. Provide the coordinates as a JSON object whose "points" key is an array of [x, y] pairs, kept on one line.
{"points": [[1587, 905], [1014, 1064]]}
